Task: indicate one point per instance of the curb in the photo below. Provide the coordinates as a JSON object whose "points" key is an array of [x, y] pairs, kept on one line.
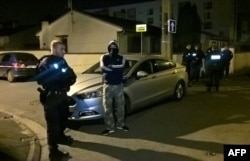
{"points": [[38, 144]]}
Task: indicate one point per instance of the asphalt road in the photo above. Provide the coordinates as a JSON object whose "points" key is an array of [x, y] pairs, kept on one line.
{"points": [[195, 128]]}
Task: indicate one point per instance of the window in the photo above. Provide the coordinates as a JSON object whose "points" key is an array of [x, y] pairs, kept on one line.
{"points": [[207, 25], [207, 16], [150, 11], [208, 5], [1, 57], [150, 20], [146, 67], [131, 14], [6, 57], [162, 65]]}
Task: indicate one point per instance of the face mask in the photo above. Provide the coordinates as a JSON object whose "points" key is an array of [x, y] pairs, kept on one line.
{"points": [[114, 51]]}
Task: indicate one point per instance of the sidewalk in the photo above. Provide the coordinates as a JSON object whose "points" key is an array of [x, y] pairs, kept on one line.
{"points": [[17, 141]]}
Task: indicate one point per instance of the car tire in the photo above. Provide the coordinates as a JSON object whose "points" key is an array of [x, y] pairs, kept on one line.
{"points": [[10, 76], [179, 91]]}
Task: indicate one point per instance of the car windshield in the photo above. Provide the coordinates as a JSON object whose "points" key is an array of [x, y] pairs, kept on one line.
{"points": [[25, 57], [95, 69]]}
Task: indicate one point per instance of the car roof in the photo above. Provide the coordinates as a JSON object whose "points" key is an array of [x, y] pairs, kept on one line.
{"points": [[139, 57]]}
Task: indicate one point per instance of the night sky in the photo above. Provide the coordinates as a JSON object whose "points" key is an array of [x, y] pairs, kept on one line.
{"points": [[33, 11]]}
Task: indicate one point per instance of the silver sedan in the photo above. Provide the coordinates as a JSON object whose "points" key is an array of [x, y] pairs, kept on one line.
{"points": [[148, 79]]}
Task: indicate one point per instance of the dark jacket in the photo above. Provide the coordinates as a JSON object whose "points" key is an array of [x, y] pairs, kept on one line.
{"points": [[186, 57], [227, 56], [115, 76], [53, 73], [214, 60]]}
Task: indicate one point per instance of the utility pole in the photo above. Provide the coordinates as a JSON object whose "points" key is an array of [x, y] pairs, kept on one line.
{"points": [[70, 6], [166, 38]]}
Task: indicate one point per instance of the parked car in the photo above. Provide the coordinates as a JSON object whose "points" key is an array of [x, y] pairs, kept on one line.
{"points": [[149, 79], [17, 64]]}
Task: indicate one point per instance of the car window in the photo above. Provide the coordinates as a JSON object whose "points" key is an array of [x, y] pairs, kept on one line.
{"points": [[161, 65], [6, 58], [24, 57], [96, 69], [1, 57], [146, 66]]}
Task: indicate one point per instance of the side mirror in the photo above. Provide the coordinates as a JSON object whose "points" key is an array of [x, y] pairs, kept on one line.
{"points": [[141, 74]]}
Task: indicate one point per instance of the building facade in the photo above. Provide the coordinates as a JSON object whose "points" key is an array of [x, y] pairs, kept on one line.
{"points": [[217, 17]]}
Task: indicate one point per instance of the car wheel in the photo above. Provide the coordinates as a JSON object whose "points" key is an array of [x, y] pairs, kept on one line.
{"points": [[10, 76], [179, 91]]}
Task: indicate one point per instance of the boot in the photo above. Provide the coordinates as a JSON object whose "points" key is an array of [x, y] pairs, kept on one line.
{"points": [[65, 140], [56, 155]]}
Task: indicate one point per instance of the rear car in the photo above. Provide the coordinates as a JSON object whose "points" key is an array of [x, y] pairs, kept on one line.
{"points": [[149, 79], [15, 65]]}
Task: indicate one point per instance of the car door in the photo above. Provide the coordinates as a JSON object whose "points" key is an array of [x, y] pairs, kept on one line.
{"points": [[1, 64], [165, 77], [141, 90], [5, 63]]}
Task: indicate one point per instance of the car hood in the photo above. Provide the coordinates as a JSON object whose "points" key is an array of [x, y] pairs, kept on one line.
{"points": [[86, 83]]}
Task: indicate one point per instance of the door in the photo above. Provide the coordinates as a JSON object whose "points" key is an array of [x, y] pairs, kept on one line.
{"points": [[1, 64], [165, 77], [5, 64], [141, 90]]}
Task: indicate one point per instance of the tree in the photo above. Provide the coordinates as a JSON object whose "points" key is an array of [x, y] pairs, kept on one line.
{"points": [[188, 26]]}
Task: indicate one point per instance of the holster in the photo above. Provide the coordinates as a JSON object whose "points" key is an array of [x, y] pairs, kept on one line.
{"points": [[43, 95]]}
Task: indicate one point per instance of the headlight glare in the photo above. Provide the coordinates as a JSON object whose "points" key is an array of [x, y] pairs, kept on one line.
{"points": [[88, 95]]}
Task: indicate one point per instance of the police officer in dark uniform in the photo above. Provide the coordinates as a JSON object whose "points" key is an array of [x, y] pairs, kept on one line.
{"points": [[186, 60], [55, 77], [214, 66], [196, 63], [227, 57]]}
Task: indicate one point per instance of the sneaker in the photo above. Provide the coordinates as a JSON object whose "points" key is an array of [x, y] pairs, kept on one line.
{"points": [[124, 128], [107, 131]]}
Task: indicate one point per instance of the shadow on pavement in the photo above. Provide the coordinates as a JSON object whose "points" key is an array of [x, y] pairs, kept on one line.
{"points": [[131, 155], [170, 122]]}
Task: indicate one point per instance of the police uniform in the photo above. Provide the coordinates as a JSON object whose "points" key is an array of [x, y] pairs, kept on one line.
{"points": [[196, 64], [214, 66], [227, 56], [56, 77], [113, 89], [186, 60]]}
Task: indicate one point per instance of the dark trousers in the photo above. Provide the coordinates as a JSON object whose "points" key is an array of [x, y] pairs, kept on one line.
{"points": [[188, 70], [214, 76], [195, 72], [56, 114], [226, 70]]}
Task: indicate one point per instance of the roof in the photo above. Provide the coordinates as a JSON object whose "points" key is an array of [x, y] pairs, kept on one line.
{"points": [[127, 25]]}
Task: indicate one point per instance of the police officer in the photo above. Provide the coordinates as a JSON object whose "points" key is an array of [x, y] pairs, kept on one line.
{"points": [[55, 77], [213, 47], [214, 66], [227, 57], [112, 65], [197, 56], [186, 60]]}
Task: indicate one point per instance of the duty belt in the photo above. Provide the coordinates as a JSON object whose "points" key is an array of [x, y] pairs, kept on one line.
{"points": [[56, 92]]}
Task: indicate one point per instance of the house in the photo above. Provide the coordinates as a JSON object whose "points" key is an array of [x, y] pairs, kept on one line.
{"points": [[90, 33]]}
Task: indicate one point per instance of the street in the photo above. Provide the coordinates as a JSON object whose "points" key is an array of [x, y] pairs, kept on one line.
{"points": [[195, 128]]}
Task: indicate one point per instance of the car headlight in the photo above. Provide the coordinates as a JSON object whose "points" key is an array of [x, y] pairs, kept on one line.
{"points": [[92, 94]]}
